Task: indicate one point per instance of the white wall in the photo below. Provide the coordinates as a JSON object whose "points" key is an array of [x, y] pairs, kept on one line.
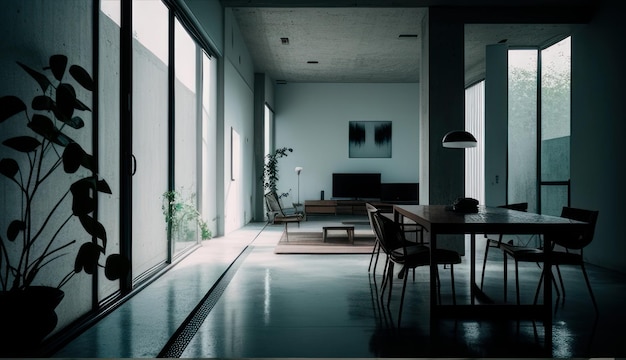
{"points": [[312, 118], [238, 114]]}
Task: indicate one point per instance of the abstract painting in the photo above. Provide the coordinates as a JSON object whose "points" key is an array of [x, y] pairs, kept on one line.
{"points": [[369, 139]]}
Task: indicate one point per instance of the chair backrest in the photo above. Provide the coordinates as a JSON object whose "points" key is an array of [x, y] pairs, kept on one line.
{"points": [[389, 233], [577, 240], [273, 205], [371, 209]]}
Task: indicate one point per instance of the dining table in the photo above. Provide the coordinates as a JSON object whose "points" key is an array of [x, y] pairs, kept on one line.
{"points": [[438, 220]]}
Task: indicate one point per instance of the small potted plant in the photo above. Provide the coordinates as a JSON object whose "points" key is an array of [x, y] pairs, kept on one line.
{"points": [[48, 201]]}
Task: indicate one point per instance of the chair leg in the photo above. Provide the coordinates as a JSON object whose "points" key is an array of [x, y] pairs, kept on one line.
{"points": [[482, 277], [406, 270], [593, 298], [384, 282], [558, 271], [385, 269], [390, 280], [556, 287], [438, 284], [369, 268], [376, 261]]}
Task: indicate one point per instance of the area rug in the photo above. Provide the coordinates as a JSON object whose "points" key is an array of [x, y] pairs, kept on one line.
{"points": [[311, 243]]}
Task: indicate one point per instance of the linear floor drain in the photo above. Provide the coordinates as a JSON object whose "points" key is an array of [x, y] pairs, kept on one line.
{"points": [[188, 329]]}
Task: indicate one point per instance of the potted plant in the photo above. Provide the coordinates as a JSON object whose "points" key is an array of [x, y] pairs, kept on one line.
{"points": [[45, 203]]}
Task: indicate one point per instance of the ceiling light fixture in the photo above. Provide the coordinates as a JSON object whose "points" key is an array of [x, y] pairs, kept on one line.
{"points": [[407, 36], [284, 41]]}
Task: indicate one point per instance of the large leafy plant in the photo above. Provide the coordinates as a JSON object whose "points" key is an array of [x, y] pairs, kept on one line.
{"points": [[270, 170], [34, 238]]}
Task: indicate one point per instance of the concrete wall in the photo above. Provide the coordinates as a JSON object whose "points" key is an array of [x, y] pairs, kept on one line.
{"points": [[598, 128]]}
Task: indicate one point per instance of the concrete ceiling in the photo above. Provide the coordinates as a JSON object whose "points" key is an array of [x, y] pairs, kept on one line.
{"points": [[363, 44]]}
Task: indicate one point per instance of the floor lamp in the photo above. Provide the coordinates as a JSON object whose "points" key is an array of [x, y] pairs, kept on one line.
{"points": [[298, 171]]}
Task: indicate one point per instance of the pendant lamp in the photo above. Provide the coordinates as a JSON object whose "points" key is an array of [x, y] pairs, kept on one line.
{"points": [[458, 140]]}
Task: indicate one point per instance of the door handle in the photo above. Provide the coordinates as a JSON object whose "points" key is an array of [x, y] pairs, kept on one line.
{"points": [[134, 167]]}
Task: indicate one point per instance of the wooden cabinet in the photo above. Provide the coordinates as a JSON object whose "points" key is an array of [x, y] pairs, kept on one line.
{"points": [[335, 207], [313, 207]]}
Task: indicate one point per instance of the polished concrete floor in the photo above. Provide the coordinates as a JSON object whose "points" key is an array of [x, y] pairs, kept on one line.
{"points": [[235, 298]]}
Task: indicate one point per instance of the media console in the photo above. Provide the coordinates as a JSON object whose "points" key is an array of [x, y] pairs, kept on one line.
{"points": [[340, 207]]}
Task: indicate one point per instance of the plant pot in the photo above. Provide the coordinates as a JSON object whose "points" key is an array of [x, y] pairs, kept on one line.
{"points": [[27, 318]]}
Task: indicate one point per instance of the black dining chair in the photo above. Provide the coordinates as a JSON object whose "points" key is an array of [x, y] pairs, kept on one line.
{"points": [[567, 249], [494, 241], [390, 234]]}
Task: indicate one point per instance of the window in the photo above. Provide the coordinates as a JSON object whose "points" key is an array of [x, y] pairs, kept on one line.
{"points": [[539, 127]]}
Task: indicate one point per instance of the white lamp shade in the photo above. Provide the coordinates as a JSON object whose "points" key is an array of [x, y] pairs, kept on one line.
{"points": [[298, 169], [458, 140]]}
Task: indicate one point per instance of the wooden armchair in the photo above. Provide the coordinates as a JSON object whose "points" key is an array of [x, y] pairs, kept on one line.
{"points": [[276, 214]]}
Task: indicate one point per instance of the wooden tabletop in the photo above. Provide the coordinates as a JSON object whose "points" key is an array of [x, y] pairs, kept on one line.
{"points": [[442, 220]]}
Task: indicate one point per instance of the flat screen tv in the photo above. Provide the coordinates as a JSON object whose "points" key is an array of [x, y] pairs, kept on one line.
{"points": [[356, 185]]}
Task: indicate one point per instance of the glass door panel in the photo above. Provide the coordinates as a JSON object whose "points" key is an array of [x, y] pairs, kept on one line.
{"points": [[150, 134], [522, 146], [185, 232], [555, 126]]}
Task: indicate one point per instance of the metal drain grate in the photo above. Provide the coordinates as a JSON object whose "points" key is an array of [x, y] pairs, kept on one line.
{"points": [[188, 329]]}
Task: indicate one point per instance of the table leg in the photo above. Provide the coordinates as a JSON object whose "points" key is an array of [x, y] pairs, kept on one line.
{"points": [[433, 276], [547, 296]]}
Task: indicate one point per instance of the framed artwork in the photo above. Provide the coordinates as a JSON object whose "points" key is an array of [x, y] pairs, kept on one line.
{"points": [[369, 139]]}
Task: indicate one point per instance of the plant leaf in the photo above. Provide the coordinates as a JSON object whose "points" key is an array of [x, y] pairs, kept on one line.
{"points": [[75, 123], [103, 187], [66, 98], [14, 229], [41, 79], [79, 105], [72, 157], [42, 102], [43, 126], [82, 77], [9, 106], [82, 202], [116, 267], [23, 144], [9, 167], [87, 258], [58, 63], [94, 228]]}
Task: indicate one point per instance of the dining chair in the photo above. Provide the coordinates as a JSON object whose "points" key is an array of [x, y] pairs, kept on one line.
{"points": [[567, 249], [371, 209], [409, 257], [494, 241]]}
